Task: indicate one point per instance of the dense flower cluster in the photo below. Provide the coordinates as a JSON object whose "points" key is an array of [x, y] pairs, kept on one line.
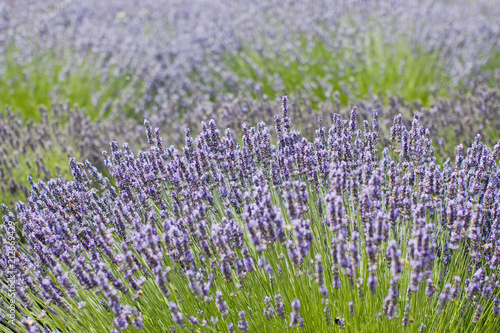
{"points": [[451, 121], [275, 233]]}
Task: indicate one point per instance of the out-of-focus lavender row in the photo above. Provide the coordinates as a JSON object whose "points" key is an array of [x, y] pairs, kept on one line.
{"points": [[176, 48]]}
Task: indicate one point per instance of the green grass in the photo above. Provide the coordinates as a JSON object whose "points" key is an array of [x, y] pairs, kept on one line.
{"points": [[44, 80], [378, 68]]}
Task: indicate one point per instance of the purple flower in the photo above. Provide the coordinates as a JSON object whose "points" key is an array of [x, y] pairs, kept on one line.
{"points": [[176, 315], [295, 318], [243, 323]]}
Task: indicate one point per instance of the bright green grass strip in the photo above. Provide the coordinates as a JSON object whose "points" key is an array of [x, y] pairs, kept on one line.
{"points": [[378, 68], [44, 80]]}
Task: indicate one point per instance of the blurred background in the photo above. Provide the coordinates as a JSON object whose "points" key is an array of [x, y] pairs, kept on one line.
{"points": [[75, 75]]}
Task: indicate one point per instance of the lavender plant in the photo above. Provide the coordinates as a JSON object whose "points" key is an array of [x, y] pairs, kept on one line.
{"points": [[273, 232], [47, 77], [451, 122]]}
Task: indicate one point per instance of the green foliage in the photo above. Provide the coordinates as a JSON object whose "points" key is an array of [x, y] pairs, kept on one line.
{"points": [[48, 78], [379, 68]]}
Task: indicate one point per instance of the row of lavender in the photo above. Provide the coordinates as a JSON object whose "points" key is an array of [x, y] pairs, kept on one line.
{"points": [[176, 50], [37, 149], [268, 234]]}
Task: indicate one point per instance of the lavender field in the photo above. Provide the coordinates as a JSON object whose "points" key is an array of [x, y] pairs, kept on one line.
{"points": [[249, 166]]}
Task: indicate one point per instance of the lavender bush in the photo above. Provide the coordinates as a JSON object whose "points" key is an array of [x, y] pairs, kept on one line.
{"points": [[451, 121], [271, 233], [63, 128]]}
